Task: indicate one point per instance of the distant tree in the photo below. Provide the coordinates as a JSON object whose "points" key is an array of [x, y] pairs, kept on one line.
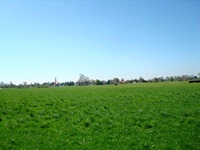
{"points": [[37, 84], [71, 83], [171, 78], [191, 77], [2, 84], [155, 79], [177, 78], [45, 85], [160, 79], [66, 83], [31, 85], [185, 77], [167, 78], [115, 80], [98, 82], [195, 78], [20, 86], [93, 82], [109, 82], [25, 83], [62, 84], [83, 80], [12, 85], [141, 79], [51, 84]]}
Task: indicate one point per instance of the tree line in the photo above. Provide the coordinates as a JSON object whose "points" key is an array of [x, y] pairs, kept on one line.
{"points": [[84, 80], [36, 85]]}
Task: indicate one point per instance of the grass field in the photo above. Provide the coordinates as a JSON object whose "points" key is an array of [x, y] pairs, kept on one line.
{"points": [[132, 116]]}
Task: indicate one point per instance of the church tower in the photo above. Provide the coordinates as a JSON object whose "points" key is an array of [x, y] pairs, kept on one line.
{"points": [[55, 81]]}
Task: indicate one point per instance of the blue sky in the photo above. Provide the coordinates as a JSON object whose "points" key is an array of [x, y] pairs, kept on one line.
{"points": [[44, 39]]}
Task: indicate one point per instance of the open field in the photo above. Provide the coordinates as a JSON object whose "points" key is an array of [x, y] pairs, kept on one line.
{"points": [[133, 116]]}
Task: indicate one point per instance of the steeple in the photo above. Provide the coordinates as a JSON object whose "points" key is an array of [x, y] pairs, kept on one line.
{"points": [[55, 80]]}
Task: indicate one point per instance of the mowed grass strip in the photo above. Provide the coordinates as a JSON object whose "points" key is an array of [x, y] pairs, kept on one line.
{"points": [[132, 116]]}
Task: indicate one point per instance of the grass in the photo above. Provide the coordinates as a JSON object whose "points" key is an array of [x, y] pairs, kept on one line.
{"points": [[132, 116]]}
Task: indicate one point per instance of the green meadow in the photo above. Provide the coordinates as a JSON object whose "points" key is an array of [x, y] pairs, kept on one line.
{"points": [[124, 117]]}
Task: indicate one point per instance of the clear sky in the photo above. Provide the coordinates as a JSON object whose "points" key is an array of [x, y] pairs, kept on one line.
{"points": [[103, 39]]}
